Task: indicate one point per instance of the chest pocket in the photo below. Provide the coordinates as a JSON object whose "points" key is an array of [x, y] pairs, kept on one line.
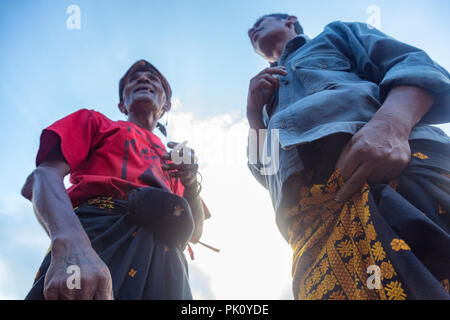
{"points": [[319, 71]]}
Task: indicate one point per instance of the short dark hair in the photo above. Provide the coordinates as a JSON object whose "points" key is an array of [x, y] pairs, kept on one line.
{"points": [[297, 26], [143, 65]]}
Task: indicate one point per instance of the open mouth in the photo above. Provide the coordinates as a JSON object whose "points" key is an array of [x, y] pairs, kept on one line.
{"points": [[144, 89]]}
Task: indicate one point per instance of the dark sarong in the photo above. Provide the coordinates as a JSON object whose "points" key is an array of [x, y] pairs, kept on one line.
{"points": [[141, 266], [398, 231]]}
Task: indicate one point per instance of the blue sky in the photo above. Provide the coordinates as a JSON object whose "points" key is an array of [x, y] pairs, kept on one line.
{"points": [[49, 71]]}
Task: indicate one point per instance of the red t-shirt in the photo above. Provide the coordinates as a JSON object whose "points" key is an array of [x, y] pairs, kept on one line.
{"points": [[107, 158]]}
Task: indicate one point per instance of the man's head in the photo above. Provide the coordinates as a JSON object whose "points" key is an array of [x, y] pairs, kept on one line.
{"points": [[144, 89], [270, 33]]}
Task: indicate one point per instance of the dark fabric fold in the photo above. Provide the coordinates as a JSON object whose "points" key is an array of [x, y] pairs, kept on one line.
{"points": [[141, 266]]}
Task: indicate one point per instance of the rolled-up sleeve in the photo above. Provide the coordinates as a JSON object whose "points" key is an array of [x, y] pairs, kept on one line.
{"points": [[390, 63]]}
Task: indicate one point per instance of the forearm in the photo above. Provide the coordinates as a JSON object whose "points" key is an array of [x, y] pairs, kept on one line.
{"points": [[53, 207], [404, 107], [254, 118], [256, 136], [70, 244], [380, 150], [198, 213]]}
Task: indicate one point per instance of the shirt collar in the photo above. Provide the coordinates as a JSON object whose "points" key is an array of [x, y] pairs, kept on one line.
{"points": [[291, 46]]}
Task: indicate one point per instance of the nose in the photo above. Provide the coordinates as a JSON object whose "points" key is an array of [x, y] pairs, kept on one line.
{"points": [[250, 32], [143, 78]]}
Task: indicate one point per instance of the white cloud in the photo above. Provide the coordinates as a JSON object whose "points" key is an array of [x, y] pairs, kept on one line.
{"points": [[7, 284], [445, 127], [12, 205], [23, 244], [19, 222], [255, 261]]}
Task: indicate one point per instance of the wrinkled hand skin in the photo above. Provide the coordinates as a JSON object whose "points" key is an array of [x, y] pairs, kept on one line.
{"points": [[261, 89], [376, 153], [95, 278], [380, 150]]}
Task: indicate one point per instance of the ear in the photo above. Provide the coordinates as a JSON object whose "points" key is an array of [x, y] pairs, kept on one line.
{"points": [[122, 108], [290, 21], [164, 110], [165, 106]]}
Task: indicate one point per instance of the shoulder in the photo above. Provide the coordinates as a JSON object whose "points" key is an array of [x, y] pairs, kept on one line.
{"points": [[88, 120], [335, 29], [357, 28], [335, 25], [92, 115], [95, 114], [340, 26]]}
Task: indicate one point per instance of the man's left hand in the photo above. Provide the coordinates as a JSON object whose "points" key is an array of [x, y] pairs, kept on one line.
{"points": [[378, 152]]}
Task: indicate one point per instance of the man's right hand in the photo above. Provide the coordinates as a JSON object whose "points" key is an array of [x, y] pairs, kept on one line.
{"points": [[95, 279], [261, 89]]}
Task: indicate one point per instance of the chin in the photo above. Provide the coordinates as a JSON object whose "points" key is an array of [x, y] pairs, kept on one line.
{"points": [[268, 41], [144, 104]]}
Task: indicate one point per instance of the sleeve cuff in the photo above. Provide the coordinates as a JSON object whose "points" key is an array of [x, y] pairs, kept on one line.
{"points": [[426, 76]]}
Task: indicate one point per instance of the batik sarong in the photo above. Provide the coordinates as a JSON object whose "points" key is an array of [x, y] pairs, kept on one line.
{"points": [[389, 241]]}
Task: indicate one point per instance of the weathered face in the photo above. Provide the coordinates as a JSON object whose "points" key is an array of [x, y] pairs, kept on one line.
{"points": [[269, 32], [143, 91]]}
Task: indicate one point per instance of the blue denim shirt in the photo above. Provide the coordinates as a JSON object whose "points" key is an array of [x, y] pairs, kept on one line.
{"points": [[335, 84]]}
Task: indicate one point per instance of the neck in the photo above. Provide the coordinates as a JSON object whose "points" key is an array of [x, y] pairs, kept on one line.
{"points": [[145, 120], [280, 47]]}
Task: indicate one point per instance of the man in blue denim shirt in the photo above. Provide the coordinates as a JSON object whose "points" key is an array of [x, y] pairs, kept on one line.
{"points": [[352, 109]]}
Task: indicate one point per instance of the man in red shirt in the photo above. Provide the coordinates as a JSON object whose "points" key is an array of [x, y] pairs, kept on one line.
{"points": [[107, 160]]}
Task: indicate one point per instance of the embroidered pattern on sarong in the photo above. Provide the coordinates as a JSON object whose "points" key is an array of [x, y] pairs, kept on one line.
{"points": [[102, 203], [334, 244]]}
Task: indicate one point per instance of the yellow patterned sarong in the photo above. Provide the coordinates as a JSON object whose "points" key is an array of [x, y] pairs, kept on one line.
{"points": [[335, 244], [390, 241]]}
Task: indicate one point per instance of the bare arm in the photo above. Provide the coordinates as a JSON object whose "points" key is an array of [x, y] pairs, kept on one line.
{"points": [[44, 187], [404, 107], [198, 213]]}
